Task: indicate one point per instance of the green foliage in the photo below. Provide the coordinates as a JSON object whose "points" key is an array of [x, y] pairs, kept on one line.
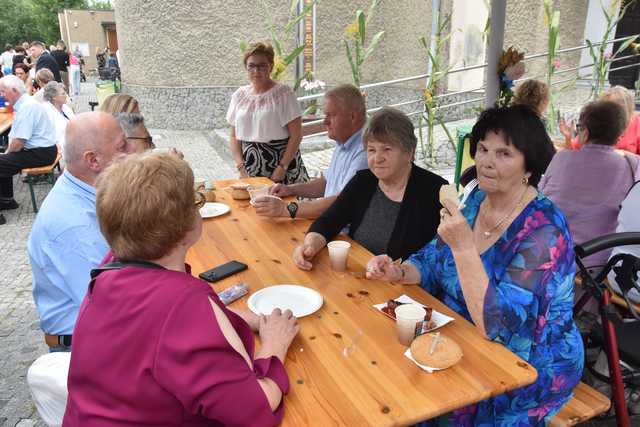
{"points": [[355, 42], [28, 20], [601, 59], [552, 19]]}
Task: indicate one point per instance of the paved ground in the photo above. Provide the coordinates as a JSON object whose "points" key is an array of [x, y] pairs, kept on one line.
{"points": [[20, 336]]}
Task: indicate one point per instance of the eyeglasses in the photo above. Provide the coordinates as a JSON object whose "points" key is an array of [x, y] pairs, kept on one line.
{"points": [[200, 199], [258, 67], [148, 140]]}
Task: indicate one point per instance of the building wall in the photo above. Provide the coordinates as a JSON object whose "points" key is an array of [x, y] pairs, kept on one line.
{"points": [[89, 30], [182, 59]]}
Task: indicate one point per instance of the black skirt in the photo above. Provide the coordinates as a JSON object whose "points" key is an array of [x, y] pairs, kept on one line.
{"points": [[262, 158]]}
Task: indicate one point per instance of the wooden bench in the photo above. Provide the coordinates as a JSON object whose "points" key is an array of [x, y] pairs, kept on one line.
{"points": [[585, 404], [33, 174]]}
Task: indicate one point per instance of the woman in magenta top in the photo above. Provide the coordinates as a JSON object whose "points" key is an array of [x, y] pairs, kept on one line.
{"points": [[153, 345], [629, 140]]}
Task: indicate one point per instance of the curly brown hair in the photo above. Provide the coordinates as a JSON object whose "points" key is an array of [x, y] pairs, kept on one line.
{"points": [[532, 93], [259, 48]]}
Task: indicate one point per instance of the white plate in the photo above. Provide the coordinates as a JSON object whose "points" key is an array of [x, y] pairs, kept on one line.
{"points": [[438, 319], [210, 210], [300, 300]]}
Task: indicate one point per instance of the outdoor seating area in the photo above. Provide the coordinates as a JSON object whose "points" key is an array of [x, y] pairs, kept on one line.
{"points": [[446, 236]]}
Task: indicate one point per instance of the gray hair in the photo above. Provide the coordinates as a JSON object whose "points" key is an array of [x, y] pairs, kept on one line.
{"points": [[349, 97], [391, 125], [13, 82], [129, 121], [51, 90]]}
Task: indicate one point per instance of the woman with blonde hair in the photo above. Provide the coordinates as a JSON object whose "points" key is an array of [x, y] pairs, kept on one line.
{"points": [[630, 138], [120, 103], [266, 122], [534, 94], [189, 359]]}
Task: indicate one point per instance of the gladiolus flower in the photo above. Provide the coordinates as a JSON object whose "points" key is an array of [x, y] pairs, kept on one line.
{"points": [[556, 63]]}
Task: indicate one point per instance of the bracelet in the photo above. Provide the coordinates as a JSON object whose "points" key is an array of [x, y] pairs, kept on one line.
{"points": [[240, 166]]}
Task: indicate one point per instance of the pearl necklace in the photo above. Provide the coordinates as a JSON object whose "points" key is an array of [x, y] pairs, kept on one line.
{"points": [[487, 233]]}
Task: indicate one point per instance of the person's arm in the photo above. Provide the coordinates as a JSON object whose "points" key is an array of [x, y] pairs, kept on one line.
{"points": [[252, 319], [303, 254], [311, 189], [236, 152], [273, 207], [15, 145], [295, 136], [210, 371]]}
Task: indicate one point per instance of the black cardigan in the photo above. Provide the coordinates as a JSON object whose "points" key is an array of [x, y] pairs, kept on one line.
{"points": [[417, 220]]}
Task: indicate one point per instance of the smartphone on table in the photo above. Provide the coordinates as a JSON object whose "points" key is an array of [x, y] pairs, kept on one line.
{"points": [[223, 271]]}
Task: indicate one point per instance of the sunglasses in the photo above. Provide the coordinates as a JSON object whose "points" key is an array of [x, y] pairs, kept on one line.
{"points": [[200, 199]]}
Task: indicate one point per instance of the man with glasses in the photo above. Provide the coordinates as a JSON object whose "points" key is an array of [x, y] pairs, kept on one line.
{"points": [[65, 243], [135, 132]]}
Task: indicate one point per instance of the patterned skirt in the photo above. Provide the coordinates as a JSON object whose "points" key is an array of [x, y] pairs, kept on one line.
{"points": [[261, 159]]}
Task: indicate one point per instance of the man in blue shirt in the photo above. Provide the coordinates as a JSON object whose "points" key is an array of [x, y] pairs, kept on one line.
{"points": [[31, 139], [345, 117], [65, 242]]}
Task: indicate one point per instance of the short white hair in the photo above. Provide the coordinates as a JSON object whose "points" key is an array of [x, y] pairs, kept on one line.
{"points": [[13, 82]]}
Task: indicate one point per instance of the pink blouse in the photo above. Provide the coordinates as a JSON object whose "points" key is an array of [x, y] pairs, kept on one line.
{"points": [[147, 350]]}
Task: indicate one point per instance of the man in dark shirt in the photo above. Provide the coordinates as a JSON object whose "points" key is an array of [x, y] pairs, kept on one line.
{"points": [[44, 60], [62, 58]]}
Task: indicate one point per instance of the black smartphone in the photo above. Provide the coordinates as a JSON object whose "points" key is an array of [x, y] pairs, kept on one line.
{"points": [[222, 271]]}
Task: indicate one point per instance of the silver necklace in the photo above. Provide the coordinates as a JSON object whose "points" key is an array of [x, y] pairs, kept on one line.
{"points": [[487, 233]]}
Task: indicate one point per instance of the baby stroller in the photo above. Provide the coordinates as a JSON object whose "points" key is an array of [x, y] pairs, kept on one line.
{"points": [[618, 337]]}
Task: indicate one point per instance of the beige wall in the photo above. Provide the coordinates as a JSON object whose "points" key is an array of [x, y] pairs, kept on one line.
{"points": [[174, 52], [89, 29]]}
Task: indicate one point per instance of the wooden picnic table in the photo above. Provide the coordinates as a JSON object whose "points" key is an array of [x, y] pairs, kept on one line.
{"points": [[376, 385]]}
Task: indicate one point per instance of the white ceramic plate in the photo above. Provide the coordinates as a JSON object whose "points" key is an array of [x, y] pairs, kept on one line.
{"points": [[210, 210], [300, 300]]}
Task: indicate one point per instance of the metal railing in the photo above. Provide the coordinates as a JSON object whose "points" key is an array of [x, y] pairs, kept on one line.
{"points": [[476, 90]]}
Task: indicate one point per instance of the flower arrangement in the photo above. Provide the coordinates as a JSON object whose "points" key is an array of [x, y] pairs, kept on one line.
{"points": [[355, 41], [601, 58], [311, 86], [510, 67]]}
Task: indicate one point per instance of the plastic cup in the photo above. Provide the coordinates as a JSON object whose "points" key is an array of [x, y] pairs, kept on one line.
{"points": [[338, 254], [256, 191], [407, 316]]}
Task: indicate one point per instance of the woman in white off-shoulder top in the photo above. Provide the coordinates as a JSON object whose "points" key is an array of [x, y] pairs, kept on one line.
{"points": [[266, 122]]}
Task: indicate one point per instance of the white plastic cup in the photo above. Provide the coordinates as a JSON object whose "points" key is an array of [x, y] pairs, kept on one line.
{"points": [[407, 316], [338, 254], [256, 191]]}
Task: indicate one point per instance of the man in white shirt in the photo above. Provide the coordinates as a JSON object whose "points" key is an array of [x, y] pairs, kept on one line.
{"points": [[345, 117], [6, 59]]}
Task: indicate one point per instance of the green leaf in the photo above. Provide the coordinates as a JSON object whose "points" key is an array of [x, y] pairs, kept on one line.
{"points": [[276, 43], [423, 42], [372, 8], [243, 46], [362, 26], [294, 21], [373, 45], [624, 45], [293, 55], [296, 85], [293, 7]]}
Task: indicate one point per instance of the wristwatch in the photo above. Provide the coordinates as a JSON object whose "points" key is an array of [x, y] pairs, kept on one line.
{"points": [[293, 209]]}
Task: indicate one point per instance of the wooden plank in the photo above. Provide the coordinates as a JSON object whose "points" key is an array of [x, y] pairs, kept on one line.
{"points": [[376, 385], [585, 404]]}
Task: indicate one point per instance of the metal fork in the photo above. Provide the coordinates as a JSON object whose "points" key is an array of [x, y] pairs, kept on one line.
{"points": [[466, 191]]}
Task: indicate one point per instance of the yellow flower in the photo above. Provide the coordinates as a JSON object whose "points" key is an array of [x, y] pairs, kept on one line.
{"points": [[352, 29], [279, 68], [427, 95]]}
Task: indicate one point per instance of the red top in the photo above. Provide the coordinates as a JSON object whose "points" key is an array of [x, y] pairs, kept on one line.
{"points": [[628, 141], [147, 350]]}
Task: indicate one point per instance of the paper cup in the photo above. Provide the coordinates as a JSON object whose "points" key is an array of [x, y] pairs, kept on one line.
{"points": [[407, 316], [338, 254], [256, 191]]}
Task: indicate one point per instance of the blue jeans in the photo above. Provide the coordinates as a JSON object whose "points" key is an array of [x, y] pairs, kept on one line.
{"points": [[60, 349]]}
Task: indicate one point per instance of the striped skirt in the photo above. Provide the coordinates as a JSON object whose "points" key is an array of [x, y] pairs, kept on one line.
{"points": [[262, 158]]}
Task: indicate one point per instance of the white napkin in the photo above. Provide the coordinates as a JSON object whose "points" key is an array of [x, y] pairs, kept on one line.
{"points": [[429, 369], [438, 318]]}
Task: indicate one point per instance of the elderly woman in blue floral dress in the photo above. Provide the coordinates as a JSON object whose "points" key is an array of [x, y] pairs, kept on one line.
{"points": [[505, 262]]}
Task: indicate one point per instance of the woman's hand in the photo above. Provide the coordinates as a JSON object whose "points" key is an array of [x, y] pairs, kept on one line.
{"points": [[382, 267], [278, 174], [270, 206], [277, 330], [304, 253], [242, 172], [454, 228], [566, 129]]}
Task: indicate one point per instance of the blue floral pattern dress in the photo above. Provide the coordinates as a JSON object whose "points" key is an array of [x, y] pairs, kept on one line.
{"points": [[528, 308]]}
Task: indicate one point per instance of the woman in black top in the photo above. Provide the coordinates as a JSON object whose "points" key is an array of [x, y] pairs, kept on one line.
{"points": [[392, 207]]}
